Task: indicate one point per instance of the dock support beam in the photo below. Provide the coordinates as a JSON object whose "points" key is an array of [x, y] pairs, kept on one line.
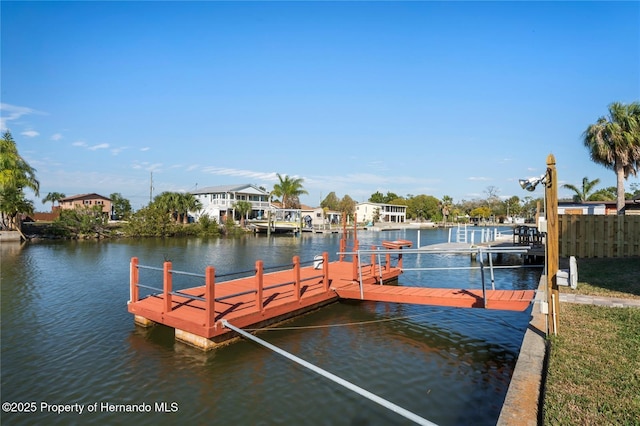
{"points": [[143, 322], [194, 340]]}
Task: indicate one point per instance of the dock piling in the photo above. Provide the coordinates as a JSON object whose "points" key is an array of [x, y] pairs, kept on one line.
{"points": [[210, 295], [167, 286], [259, 285], [325, 271], [296, 276], [134, 280]]}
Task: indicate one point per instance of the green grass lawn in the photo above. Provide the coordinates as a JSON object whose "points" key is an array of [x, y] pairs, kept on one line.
{"points": [[594, 364]]}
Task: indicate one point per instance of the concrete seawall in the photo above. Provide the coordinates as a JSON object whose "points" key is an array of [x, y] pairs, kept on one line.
{"points": [[523, 403], [6, 236]]}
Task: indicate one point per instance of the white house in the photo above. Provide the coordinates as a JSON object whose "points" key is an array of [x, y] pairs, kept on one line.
{"points": [[582, 208], [367, 212], [317, 218], [219, 201]]}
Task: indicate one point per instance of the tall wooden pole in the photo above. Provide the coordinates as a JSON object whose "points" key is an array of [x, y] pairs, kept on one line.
{"points": [[551, 198]]}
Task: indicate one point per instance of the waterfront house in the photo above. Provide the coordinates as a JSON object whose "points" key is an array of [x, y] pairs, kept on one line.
{"points": [[86, 201], [379, 212], [318, 218], [219, 201], [598, 208], [632, 207]]}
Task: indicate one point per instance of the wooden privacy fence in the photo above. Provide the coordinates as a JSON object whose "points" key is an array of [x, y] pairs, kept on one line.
{"points": [[599, 235]]}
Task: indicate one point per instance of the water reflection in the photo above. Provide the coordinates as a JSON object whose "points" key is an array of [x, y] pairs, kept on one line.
{"points": [[67, 337]]}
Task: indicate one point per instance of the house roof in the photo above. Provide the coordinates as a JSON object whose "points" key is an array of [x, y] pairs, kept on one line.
{"points": [[84, 197], [379, 204], [246, 188]]}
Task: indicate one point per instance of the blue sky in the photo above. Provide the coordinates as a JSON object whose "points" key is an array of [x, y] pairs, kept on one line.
{"points": [[436, 98]]}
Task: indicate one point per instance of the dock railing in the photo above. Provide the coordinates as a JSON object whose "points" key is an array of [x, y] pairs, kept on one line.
{"points": [[479, 252], [464, 235], [209, 298]]}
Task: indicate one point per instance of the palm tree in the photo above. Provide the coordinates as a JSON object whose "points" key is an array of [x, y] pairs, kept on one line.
{"points": [[15, 172], [185, 203], [242, 207], [583, 194], [13, 203], [445, 207], [53, 197], [177, 205], [288, 189], [614, 142], [15, 175], [168, 203]]}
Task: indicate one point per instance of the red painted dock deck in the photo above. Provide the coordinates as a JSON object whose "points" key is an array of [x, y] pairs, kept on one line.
{"points": [[508, 300], [266, 298]]}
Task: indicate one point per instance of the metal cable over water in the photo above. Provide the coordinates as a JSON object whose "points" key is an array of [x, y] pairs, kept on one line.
{"points": [[363, 392]]}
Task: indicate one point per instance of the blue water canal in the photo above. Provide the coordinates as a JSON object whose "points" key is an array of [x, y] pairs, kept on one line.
{"points": [[68, 342]]}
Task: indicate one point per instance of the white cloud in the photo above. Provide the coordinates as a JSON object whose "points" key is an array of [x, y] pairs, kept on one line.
{"points": [[479, 178], [30, 133], [79, 143], [146, 148], [271, 176], [56, 137], [99, 146], [116, 151], [145, 165], [13, 112]]}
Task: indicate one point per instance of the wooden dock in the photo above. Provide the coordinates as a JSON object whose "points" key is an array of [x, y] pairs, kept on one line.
{"points": [[265, 298], [509, 300]]}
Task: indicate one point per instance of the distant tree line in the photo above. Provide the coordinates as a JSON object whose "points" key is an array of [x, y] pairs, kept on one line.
{"points": [[613, 141]]}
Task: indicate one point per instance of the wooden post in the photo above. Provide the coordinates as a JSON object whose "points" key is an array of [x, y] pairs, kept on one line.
{"points": [[325, 270], [373, 262], [551, 198], [355, 260], [210, 295], [296, 276], [387, 265], [134, 279], [259, 284], [167, 286]]}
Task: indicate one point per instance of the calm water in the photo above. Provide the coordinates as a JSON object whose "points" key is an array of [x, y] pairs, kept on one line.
{"points": [[67, 338]]}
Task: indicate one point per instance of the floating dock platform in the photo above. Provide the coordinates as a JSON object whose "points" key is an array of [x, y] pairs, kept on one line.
{"points": [[265, 298]]}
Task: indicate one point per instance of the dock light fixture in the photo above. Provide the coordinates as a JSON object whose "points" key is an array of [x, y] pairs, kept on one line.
{"points": [[531, 183]]}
